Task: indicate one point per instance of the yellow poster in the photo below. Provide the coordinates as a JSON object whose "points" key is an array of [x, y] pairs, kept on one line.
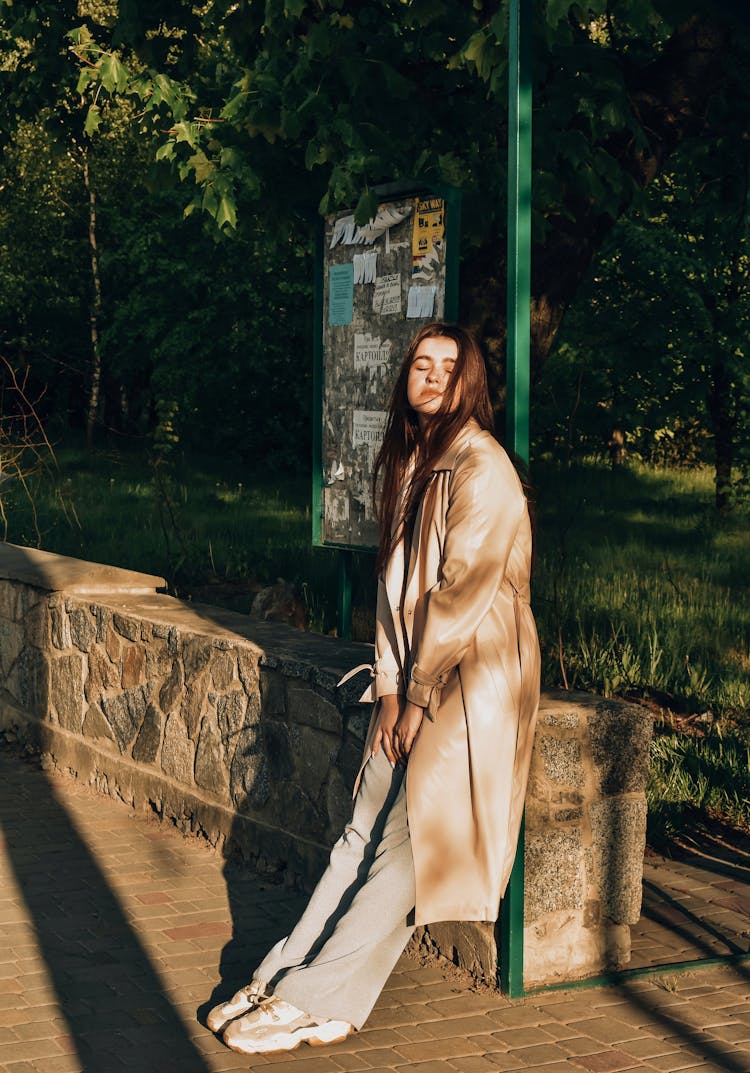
{"points": [[429, 229]]}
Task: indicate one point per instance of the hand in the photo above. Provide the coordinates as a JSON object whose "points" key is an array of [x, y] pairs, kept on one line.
{"points": [[391, 707], [406, 730]]}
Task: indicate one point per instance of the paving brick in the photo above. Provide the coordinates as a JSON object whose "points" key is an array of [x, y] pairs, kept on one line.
{"points": [[452, 1047], [28, 1050], [12, 1001], [647, 1047], [522, 1037], [475, 1064], [580, 1045], [607, 1029], [503, 1062], [570, 1010], [348, 1062], [460, 1005], [9, 1018], [604, 1061], [65, 1063], [519, 1016], [734, 1033], [677, 1060], [405, 1015], [460, 1026], [380, 1056], [413, 1033], [541, 1055], [308, 1062], [377, 1037], [424, 1067]]}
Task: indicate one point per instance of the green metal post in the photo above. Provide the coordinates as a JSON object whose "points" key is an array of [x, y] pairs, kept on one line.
{"points": [[518, 381], [519, 227], [317, 386], [345, 595]]}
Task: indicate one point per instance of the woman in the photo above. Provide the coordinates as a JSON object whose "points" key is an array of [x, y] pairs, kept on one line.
{"points": [[456, 686]]}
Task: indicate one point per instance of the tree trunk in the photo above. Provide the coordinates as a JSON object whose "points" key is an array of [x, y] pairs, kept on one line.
{"points": [[721, 410], [94, 312]]}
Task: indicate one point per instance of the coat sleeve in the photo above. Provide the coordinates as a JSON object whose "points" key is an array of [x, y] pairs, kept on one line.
{"points": [[387, 670], [485, 507]]}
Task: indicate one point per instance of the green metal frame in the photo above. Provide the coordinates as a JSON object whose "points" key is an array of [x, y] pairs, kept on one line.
{"points": [[518, 384], [620, 976]]}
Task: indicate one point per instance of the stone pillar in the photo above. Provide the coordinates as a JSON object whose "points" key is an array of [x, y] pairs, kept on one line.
{"points": [[585, 835]]}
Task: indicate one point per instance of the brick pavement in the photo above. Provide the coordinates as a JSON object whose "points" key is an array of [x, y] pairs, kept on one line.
{"points": [[116, 936], [697, 903]]}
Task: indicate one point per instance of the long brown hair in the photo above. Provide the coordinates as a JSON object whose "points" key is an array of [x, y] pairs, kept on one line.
{"points": [[466, 395]]}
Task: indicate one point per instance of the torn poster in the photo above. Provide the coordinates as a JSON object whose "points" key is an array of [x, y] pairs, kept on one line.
{"points": [[428, 229], [347, 233], [365, 266], [369, 350], [421, 302], [386, 298], [336, 472], [340, 294], [368, 427]]}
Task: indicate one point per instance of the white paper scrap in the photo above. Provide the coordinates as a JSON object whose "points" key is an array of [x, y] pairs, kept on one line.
{"points": [[371, 265], [420, 303], [386, 299]]}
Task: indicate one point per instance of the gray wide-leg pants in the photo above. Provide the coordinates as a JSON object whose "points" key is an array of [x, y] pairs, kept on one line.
{"points": [[337, 959]]}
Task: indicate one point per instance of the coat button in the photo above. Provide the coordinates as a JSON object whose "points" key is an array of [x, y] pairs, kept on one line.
{"points": [[410, 612]]}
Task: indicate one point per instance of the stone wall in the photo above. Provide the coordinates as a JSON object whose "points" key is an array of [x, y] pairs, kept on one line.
{"points": [[234, 728]]}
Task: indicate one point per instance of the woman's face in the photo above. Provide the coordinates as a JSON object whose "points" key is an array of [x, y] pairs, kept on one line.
{"points": [[431, 368]]}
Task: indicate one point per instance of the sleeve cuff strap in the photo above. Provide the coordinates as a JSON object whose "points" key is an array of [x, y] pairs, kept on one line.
{"points": [[424, 690], [386, 682]]}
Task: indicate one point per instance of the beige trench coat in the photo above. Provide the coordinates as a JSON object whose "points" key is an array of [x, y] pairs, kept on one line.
{"points": [[455, 633]]}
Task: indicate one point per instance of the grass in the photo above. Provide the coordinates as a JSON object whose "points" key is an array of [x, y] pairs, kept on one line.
{"points": [[206, 527], [640, 589]]}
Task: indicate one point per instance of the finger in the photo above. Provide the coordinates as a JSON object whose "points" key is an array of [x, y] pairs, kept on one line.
{"points": [[389, 751], [396, 747], [409, 740], [376, 742]]}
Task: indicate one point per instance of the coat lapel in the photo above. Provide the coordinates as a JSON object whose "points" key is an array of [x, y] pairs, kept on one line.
{"points": [[446, 462]]}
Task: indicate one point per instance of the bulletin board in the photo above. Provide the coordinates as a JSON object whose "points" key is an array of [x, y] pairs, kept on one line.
{"points": [[376, 286]]}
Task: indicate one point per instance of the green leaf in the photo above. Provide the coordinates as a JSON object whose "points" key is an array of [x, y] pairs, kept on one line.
{"points": [[113, 73], [201, 165], [93, 119], [367, 207], [226, 213], [85, 78], [186, 132], [165, 152], [315, 154], [80, 36], [234, 106]]}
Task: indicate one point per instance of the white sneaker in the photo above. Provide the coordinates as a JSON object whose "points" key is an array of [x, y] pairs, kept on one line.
{"points": [[247, 998], [276, 1025]]}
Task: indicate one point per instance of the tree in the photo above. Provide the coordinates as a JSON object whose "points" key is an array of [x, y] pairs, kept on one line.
{"points": [[295, 106], [657, 346], [310, 104]]}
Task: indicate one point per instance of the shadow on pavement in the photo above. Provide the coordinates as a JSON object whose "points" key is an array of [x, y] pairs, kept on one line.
{"points": [[114, 1005]]}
